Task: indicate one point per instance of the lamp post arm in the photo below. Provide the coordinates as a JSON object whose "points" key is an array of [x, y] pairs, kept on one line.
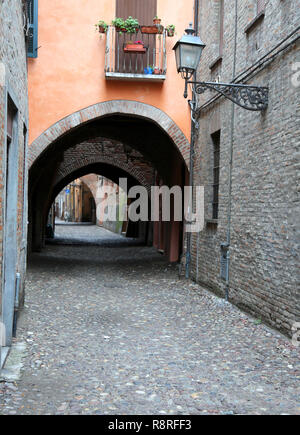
{"points": [[249, 97]]}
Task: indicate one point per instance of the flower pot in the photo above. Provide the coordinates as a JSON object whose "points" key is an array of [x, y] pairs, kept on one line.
{"points": [[157, 71], [101, 29], [156, 20], [134, 48], [170, 33], [149, 29], [148, 70], [120, 29]]}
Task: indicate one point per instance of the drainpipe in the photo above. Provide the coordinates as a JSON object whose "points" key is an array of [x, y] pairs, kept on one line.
{"points": [[16, 307], [228, 238], [194, 126]]}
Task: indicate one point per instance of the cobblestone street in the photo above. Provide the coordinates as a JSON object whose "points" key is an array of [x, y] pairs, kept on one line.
{"points": [[110, 329]]}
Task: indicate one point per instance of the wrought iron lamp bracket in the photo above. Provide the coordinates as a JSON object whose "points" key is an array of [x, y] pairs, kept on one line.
{"points": [[249, 97]]}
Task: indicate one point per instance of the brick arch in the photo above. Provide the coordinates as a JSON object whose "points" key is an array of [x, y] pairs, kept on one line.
{"points": [[107, 152], [100, 110]]}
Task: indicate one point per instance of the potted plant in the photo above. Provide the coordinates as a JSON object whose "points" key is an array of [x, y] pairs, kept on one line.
{"points": [[149, 69], [156, 20], [119, 24], [170, 30], [157, 70], [102, 26], [135, 47], [131, 25], [149, 29]]}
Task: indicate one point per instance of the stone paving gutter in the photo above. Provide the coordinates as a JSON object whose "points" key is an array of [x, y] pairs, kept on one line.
{"points": [[12, 370], [110, 329]]}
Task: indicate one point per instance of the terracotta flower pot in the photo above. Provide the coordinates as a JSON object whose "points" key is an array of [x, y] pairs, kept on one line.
{"points": [[156, 21], [120, 29], [134, 48], [101, 29], [149, 29]]}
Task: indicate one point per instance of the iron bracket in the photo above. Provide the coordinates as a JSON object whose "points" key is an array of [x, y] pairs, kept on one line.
{"points": [[249, 97]]}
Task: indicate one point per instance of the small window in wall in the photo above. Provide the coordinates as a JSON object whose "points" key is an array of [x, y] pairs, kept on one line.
{"points": [[219, 41], [221, 28], [32, 13], [216, 174]]}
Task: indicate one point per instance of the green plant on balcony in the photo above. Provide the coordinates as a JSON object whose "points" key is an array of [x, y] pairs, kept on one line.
{"points": [[131, 25], [102, 26], [119, 24], [170, 30]]}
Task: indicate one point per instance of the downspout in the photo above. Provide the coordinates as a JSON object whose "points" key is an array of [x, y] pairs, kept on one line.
{"points": [[192, 147], [228, 238]]}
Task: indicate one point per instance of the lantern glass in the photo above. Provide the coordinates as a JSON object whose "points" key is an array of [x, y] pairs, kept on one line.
{"points": [[178, 57], [190, 56], [188, 52]]}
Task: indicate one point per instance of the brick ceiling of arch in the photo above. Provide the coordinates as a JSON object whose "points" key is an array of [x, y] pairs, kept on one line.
{"points": [[101, 150]]}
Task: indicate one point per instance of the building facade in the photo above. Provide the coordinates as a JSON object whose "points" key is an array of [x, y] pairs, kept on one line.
{"points": [[99, 105], [13, 172], [111, 111], [247, 161], [76, 203]]}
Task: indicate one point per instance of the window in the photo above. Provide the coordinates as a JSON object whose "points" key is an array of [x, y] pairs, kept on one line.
{"points": [[219, 40], [216, 174], [221, 28], [32, 13]]}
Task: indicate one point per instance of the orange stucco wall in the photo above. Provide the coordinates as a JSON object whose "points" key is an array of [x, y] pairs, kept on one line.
{"points": [[68, 73]]}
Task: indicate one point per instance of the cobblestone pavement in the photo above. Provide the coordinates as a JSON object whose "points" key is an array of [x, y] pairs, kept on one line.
{"points": [[110, 329]]}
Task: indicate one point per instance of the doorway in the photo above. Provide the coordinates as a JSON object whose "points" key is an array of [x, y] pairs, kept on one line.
{"points": [[10, 221]]}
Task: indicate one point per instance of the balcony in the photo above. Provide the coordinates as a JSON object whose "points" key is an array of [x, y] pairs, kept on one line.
{"points": [[123, 63]]}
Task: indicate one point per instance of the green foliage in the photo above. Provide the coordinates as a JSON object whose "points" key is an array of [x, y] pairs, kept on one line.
{"points": [[131, 25], [119, 23], [170, 27], [103, 24]]}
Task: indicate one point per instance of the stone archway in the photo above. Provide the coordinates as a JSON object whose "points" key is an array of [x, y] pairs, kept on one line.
{"points": [[103, 151], [100, 110], [120, 136]]}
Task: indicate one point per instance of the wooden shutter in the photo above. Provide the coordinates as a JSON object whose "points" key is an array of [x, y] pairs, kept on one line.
{"points": [[32, 12], [143, 10]]}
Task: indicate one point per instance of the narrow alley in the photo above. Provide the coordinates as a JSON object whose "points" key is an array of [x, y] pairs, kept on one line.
{"points": [[110, 329]]}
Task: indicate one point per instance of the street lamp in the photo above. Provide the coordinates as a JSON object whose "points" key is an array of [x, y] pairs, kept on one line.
{"points": [[188, 52]]}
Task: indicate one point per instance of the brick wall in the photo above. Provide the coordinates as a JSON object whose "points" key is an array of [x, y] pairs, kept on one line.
{"points": [[13, 83], [264, 251], [109, 152]]}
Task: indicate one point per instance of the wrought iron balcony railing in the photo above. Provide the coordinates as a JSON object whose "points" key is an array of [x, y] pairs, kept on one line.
{"points": [[141, 56]]}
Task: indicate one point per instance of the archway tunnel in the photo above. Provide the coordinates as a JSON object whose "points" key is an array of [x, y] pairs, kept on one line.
{"points": [[115, 146]]}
